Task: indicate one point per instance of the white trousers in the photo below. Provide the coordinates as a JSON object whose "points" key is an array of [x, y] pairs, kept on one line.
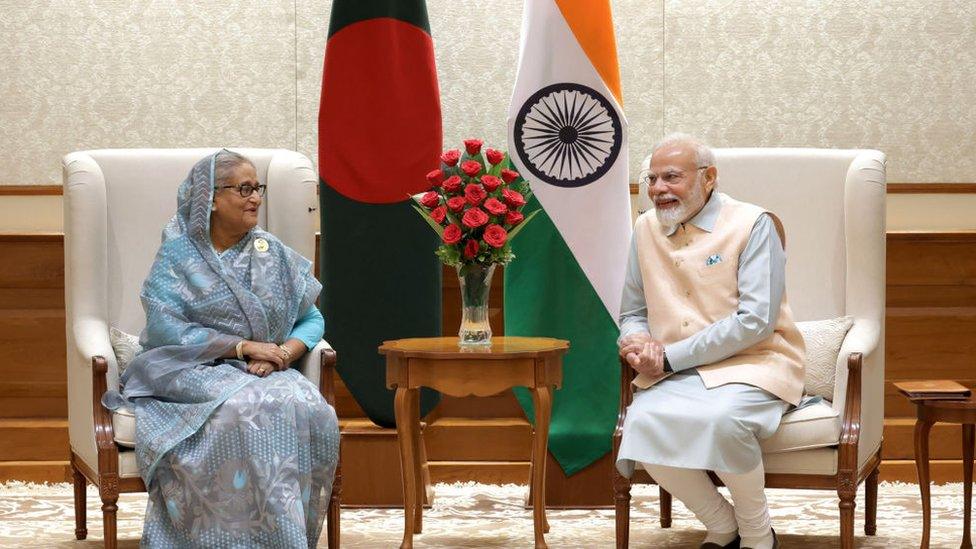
{"points": [[750, 513]]}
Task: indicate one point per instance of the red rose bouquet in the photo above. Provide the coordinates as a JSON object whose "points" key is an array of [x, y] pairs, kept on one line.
{"points": [[475, 205]]}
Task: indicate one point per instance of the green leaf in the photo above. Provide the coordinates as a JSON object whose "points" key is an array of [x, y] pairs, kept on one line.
{"points": [[449, 255], [522, 225], [430, 220]]}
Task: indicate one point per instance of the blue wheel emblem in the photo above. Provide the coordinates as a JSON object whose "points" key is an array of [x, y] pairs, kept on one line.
{"points": [[567, 135]]}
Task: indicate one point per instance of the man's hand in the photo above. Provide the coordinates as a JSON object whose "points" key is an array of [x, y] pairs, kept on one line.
{"points": [[634, 343], [644, 354]]}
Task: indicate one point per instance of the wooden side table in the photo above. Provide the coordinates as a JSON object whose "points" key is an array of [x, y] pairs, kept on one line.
{"points": [[438, 363], [945, 411]]}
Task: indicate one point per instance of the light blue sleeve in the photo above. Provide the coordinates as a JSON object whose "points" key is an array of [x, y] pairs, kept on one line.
{"points": [[633, 306], [762, 281], [310, 328]]}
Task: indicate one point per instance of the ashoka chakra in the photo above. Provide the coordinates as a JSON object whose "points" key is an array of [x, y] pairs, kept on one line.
{"points": [[567, 135]]}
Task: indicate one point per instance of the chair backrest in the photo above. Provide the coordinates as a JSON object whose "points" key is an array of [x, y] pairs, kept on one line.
{"points": [[140, 197], [809, 190]]}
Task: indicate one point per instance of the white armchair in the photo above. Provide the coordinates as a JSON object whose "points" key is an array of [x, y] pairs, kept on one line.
{"points": [[116, 203], [832, 204]]}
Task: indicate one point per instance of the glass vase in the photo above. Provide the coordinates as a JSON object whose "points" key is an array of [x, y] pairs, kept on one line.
{"points": [[475, 281]]}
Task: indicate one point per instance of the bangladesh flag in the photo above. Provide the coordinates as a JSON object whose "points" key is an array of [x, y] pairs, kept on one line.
{"points": [[379, 135], [568, 137]]}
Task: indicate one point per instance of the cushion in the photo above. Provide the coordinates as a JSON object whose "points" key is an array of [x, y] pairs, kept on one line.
{"points": [[124, 425], [820, 461], [126, 347], [128, 466], [823, 339], [812, 426]]}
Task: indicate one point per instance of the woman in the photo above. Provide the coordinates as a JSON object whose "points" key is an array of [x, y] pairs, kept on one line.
{"points": [[236, 449]]}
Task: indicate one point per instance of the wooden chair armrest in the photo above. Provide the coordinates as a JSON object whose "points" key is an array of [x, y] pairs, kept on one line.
{"points": [[850, 431], [627, 375], [326, 377], [108, 452]]}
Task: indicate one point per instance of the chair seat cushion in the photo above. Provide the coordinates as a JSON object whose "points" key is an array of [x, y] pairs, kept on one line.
{"points": [[813, 426], [124, 424], [128, 466], [819, 461]]}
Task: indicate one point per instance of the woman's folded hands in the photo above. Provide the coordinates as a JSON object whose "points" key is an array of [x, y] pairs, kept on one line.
{"points": [[264, 358]]}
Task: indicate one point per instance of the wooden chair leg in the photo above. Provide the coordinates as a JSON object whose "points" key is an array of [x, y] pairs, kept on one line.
{"points": [[665, 501], [871, 502], [110, 498], [621, 498], [847, 494], [332, 519], [81, 507]]}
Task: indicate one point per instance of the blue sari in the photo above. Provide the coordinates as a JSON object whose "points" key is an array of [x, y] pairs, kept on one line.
{"points": [[230, 459]]}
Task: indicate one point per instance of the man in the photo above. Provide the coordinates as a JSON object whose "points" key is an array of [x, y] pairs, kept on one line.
{"points": [[705, 323]]}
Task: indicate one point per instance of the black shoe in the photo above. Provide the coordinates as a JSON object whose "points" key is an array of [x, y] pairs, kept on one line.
{"points": [[775, 541], [734, 544]]}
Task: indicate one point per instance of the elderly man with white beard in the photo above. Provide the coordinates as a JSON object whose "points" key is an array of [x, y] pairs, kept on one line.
{"points": [[705, 323]]}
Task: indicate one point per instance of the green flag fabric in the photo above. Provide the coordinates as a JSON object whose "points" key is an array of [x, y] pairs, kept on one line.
{"points": [[379, 134]]}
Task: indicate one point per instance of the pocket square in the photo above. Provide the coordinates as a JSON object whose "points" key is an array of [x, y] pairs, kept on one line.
{"points": [[713, 260]]}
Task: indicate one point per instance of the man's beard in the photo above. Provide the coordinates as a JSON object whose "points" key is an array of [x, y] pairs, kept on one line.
{"points": [[680, 213]]}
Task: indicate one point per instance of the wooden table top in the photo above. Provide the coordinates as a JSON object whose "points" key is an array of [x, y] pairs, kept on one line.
{"points": [[502, 347]]}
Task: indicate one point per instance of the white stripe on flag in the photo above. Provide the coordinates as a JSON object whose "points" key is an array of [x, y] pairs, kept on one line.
{"points": [[593, 219]]}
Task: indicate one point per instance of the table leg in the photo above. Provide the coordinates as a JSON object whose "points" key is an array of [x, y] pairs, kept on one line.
{"points": [[922, 429], [419, 462], [405, 426], [968, 432], [542, 401]]}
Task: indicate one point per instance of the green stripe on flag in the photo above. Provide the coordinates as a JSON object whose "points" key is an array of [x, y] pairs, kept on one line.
{"points": [[347, 12], [585, 408], [380, 281]]}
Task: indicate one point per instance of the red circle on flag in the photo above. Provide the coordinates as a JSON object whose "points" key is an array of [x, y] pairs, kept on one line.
{"points": [[380, 113]]}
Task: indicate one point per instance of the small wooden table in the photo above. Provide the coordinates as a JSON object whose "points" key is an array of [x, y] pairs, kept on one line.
{"points": [[945, 411], [438, 363]]}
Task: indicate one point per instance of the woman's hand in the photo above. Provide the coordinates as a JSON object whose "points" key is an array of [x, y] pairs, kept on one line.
{"points": [[256, 350], [260, 368]]}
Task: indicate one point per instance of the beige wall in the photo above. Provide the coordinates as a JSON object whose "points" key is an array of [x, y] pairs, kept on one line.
{"points": [[896, 75]]}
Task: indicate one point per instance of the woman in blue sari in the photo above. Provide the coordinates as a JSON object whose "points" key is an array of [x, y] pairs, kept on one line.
{"points": [[236, 449]]}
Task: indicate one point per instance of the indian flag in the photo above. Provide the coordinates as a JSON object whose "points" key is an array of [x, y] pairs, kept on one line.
{"points": [[568, 137]]}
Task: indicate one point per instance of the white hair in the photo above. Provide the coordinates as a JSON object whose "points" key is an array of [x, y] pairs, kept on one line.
{"points": [[225, 164], [703, 153]]}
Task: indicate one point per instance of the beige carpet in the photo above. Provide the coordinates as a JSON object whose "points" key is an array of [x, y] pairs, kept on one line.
{"points": [[478, 515]]}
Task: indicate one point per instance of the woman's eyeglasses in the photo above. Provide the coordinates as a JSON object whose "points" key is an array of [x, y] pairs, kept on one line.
{"points": [[246, 189]]}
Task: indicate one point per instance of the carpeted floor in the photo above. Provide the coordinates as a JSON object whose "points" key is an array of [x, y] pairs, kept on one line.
{"points": [[478, 515]]}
